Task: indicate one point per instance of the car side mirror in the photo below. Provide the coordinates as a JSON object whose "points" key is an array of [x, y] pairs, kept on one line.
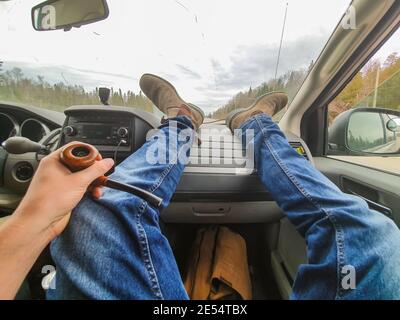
{"points": [[366, 131], [65, 14]]}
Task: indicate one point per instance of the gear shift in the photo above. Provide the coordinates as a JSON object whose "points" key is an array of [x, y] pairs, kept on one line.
{"points": [[21, 145]]}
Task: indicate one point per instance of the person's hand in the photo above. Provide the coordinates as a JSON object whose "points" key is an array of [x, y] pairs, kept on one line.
{"points": [[55, 191], [41, 216]]}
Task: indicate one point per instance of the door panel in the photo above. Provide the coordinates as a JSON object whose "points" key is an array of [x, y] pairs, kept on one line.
{"points": [[380, 189], [388, 164]]}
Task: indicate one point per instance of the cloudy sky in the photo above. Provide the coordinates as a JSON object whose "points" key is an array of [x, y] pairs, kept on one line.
{"points": [[210, 49]]}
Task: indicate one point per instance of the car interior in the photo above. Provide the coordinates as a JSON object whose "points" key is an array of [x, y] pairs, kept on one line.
{"points": [[229, 193]]}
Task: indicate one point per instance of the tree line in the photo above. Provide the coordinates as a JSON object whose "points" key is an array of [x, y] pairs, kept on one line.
{"points": [[16, 87], [376, 85], [289, 82], [360, 92]]}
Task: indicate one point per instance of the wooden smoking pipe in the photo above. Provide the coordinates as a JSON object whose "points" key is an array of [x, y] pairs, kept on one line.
{"points": [[79, 156]]}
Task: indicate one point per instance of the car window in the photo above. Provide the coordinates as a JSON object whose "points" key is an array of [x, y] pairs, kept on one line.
{"points": [[220, 55], [364, 119]]}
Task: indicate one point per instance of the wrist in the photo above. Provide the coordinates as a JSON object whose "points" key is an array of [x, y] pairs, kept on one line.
{"points": [[27, 228], [34, 214], [20, 246]]}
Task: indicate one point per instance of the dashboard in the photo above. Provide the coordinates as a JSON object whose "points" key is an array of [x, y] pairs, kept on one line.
{"points": [[29, 122], [17, 171], [219, 185], [30, 128]]}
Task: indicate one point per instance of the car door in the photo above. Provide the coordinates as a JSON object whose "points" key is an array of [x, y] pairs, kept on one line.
{"points": [[347, 112], [362, 154]]}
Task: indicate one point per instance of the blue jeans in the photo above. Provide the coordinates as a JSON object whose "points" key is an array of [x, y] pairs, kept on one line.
{"points": [[113, 248]]}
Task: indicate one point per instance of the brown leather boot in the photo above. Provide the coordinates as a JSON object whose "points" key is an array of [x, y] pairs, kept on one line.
{"points": [[165, 97], [270, 103]]}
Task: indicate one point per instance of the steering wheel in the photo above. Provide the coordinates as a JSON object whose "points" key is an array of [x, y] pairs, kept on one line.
{"points": [[3, 159]]}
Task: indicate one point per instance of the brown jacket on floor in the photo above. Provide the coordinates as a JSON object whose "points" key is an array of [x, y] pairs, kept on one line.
{"points": [[218, 267]]}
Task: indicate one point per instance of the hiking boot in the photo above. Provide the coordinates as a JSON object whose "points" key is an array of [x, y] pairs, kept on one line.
{"points": [[165, 97], [270, 103]]}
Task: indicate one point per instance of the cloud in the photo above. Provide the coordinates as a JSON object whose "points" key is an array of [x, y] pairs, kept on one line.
{"points": [[89, 79], [252, 65], [188, 72]]}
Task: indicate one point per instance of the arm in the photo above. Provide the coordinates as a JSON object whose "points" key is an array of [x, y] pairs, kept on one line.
{"points": [[42, 215]]}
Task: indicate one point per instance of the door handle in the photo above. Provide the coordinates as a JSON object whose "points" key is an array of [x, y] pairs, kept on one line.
{"points": [[374, 205]]}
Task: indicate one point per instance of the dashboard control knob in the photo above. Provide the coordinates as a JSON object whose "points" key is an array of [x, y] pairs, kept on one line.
{"points": [[123, 132], [70, 131]]}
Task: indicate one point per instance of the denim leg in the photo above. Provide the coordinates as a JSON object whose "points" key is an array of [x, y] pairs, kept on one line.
{"points": [[113, 247], [341, 232]]}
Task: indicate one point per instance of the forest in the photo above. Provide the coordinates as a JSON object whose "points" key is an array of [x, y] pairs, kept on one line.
{"points": [[289, 83], [360, 92], [16, 87]]}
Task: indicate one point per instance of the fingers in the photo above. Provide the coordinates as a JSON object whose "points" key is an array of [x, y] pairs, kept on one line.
{"points": [[98, 169], [87, 176]]}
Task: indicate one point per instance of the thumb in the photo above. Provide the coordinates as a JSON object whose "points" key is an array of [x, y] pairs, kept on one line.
{"points": [[98, 169]]}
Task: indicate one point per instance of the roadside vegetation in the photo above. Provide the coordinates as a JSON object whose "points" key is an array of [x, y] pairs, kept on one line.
{"points": [[360, 92]]}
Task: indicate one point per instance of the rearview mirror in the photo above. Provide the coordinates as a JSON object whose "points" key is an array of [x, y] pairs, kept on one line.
{"points": [[65, 14], [366, 131]]}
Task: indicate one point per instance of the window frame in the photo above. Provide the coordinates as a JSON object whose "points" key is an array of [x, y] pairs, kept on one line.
{"points": [[349, 79], [314, 122]]}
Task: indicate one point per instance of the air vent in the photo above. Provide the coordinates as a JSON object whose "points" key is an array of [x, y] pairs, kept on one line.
{"points": [[24, 171], [219, 152]]}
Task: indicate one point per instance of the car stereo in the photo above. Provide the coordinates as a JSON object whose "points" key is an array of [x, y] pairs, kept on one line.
{"points": [[110, 129], [99, 130]]}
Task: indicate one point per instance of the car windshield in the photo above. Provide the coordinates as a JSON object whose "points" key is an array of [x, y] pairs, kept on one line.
{"points": [[220, 55]]}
